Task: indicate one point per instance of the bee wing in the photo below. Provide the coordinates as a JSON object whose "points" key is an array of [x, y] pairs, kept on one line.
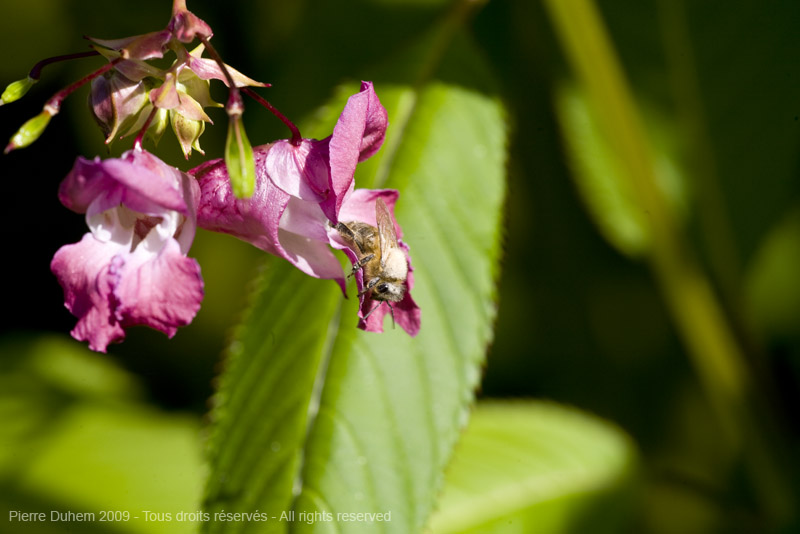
{"points": [[386, 232]]}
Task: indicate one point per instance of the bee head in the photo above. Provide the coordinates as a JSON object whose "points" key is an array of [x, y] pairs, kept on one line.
{"points": [[391, 291]]}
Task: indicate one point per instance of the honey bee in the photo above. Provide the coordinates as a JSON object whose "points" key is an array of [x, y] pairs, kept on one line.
{"points": [[383, 262]]}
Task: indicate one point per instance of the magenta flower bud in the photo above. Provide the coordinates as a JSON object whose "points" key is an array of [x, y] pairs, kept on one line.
{"points": [[185, 26], [117, 104]]}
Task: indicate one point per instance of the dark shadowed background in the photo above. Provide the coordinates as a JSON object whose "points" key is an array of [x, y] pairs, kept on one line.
{"points": [[579, 322]]}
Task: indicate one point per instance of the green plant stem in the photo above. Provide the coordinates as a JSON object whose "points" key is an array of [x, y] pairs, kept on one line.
{"points": [[724, 258], [714, 352]]}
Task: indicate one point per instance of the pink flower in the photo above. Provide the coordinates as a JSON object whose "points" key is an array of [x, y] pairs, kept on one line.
{"points": [[301, 192], [131, 268]]}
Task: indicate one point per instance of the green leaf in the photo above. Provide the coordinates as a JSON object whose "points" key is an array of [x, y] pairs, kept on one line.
{"points": [[771, 287], [599, 172], [239, 159], [76, 438], [537, 467], [315, 416], [707, 329]]}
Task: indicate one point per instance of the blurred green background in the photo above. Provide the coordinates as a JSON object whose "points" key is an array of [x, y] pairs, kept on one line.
{"points": [[581, 323]]}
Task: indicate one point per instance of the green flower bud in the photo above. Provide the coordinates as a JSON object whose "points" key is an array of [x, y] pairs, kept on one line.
{"points": [[239, 160], [158, 126], [16, 90], [188, 132], [29, 132]]}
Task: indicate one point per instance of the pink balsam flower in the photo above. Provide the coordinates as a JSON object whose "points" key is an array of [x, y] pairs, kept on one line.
{"points": [[131, 268], [302, 190]]}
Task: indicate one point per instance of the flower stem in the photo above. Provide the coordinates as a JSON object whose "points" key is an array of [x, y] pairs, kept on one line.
{"points": [[53, 106], [178, 6], [296, 137], [714, 219], [713, 349], [137, 143], [36, 71], [234, 107]]}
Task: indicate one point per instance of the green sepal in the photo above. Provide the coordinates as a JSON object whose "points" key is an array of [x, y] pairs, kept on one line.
{"points": [[239, 160]]}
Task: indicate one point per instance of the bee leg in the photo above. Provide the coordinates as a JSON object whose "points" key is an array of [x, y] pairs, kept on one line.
{"points": [[391, 310], [345, 232], [353, 241], [369, 285], [372, 310], [360, 263]]}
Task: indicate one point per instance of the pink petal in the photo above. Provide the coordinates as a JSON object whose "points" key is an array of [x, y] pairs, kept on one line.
{"points": [[185, 26], [301, 171], [360, 206], [147, 46], [406, 313], [166, 96], [138, 179], [191, 193], [83, 270], [137, 70], [256, 219], [306, 219], [304, 238], [208, 69], [312, 257], [358, 134], [376, 122], [162, 290]]}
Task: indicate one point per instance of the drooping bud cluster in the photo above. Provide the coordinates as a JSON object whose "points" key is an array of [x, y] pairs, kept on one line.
{"points": [[136, 95], [130, 95]]}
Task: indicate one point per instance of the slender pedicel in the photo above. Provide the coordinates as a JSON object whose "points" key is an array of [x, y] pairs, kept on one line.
{"points": [[296, 137], [36, 71]]}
